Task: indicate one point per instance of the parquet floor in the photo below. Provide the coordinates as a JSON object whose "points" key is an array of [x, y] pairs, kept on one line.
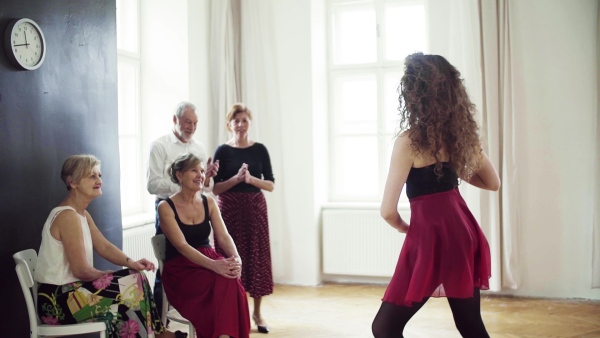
{"points": [[336, 310]]}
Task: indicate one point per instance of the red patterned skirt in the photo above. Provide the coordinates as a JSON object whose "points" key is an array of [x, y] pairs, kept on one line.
{"points": [[215, 305], [245, 216], [445, 253]]}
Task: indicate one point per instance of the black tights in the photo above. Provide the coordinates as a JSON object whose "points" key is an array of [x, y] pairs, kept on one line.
{"points": [[391, 319]]}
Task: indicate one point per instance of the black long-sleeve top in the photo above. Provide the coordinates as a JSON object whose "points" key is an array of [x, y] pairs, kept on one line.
{"points": [[231, 160]]}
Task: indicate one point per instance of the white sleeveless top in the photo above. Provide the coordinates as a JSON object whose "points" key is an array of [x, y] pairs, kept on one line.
{"points": [[52, 266]]}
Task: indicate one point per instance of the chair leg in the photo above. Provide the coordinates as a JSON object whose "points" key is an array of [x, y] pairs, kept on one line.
{"points": [[102, 334], [192, 331]]}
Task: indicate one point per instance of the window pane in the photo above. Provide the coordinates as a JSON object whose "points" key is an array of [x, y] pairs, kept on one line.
{"points": [[404, 30], [355, 104], [356, 168], [127, 25], [127, 98], [355, 35], [390, 108], [130, 174]]}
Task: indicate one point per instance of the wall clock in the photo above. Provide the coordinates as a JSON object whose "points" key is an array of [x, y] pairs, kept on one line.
{"points": [[25, 44]]}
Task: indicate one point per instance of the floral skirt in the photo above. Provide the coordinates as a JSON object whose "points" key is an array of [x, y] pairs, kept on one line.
{"points": [[123, 300]]}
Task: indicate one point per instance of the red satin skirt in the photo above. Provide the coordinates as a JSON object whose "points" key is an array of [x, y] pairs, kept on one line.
{"points": [[215, 305], [445, 253]]}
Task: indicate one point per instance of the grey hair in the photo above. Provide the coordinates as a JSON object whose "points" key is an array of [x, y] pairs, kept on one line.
{"points": [[182, 106]]}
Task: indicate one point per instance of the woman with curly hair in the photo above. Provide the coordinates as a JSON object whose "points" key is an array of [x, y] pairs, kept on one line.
{"points": [[445, 253]]}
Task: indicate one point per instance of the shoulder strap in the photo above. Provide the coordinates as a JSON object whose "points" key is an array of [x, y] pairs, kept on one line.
{"points": [[58, 210], [173, 207], [205, 203]]}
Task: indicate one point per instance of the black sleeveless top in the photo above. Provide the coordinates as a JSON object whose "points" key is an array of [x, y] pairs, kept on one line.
{"points": [[195, 234], [423, 181]]}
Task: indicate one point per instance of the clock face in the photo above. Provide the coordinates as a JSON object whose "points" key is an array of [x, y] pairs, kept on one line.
{"points": [[27, 44]]}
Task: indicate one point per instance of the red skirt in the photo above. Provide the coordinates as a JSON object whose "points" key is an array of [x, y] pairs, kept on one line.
{"points": [[245, 216], [445, 253], [215, 305]]}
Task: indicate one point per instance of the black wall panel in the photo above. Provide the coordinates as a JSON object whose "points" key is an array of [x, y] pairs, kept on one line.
{"points": [[67, 106]]}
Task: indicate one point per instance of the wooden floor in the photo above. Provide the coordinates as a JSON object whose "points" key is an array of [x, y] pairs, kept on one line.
{"points": [[336, 310]]}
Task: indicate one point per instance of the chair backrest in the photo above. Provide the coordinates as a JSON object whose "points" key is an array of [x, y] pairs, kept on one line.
{"points": [[160, 248], [26, 261]]}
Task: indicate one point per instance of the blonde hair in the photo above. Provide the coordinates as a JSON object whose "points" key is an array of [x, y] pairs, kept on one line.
{"points": [[77, 166], [182, 164], [236, 109]]}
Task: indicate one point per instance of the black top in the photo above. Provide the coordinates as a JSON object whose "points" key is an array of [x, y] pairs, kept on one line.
{"points": [[231, 160], [423, 181], [195, 234]]}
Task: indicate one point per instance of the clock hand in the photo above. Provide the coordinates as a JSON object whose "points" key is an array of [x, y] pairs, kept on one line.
{"points": [[23, 44], [26, 44]]}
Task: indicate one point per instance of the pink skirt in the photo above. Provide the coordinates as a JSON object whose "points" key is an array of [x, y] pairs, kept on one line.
{"points": [[215, 305], [445, 253]]}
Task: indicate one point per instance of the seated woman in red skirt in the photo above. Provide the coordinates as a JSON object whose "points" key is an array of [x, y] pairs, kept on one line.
{"points": [[70, 289], [202, 285]]}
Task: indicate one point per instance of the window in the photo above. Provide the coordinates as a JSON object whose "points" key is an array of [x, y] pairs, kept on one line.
{"points": [[133, 192], [368, 41]]}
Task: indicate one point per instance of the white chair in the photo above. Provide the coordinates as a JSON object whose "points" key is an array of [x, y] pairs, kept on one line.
{"points": [[26, 261], [159, 246]]}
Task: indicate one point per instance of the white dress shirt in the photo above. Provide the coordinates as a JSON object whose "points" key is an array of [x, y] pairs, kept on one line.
{"points": [[162, 153]]}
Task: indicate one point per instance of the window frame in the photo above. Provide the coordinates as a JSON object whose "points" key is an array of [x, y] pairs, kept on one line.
{"points": [[380, 69], [141, 213]]}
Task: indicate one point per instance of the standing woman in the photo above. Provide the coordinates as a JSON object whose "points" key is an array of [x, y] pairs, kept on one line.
{"points": [[445, 253], [244, 171]]}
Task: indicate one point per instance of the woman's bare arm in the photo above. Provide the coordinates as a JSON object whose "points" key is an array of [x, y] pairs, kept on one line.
{"points": [[169, 226], [69, 233], [400, 164], [486, 177]]}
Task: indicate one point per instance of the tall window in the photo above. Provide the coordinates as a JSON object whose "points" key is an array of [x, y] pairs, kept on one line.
{"points": [[133, 192], [368, 42]]}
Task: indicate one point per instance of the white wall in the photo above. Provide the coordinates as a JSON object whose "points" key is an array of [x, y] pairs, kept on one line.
{"points": [[198, 75], [165, 66], [555, 42], [297, 240], [164, 72], [174, 67]]}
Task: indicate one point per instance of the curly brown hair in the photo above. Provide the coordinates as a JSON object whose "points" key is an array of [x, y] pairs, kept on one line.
{"points": [[437, 113]]}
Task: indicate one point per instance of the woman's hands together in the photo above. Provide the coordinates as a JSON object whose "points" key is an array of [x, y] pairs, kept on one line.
{"points": [[228, 267], [243, 174]]}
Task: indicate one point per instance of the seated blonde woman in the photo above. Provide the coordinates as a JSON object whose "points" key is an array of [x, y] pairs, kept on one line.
{"points": [[202, 285], [70, 289]]}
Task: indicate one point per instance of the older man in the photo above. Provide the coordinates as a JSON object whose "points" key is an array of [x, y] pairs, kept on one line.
{"points": [[166, 148], [162, 153]]}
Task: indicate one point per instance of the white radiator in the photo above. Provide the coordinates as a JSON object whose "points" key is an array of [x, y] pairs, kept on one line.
{"points": [[359, 243], [137, 244]]}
